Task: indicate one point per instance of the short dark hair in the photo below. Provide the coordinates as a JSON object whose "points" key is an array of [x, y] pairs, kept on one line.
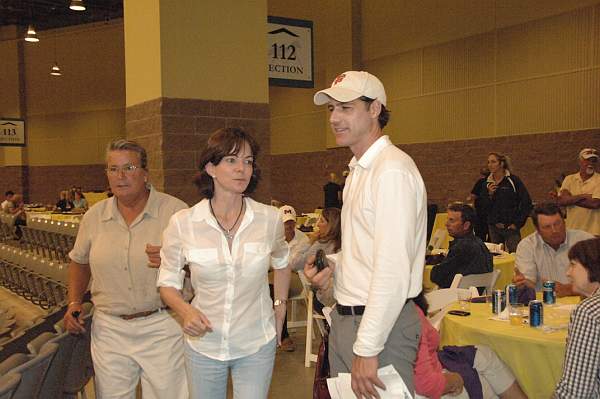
{"points": [[544, 208], [467, 213], [9, 192], [587, 252], [224, 142], [384, 115]]}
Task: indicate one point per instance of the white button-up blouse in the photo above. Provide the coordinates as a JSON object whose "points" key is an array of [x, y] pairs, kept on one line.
{"points": [[230, 287]]}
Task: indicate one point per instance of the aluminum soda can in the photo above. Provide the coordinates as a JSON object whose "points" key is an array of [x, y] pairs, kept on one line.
{"points": [[536, 313], [498, 301], [511, 294], [549, 292]]}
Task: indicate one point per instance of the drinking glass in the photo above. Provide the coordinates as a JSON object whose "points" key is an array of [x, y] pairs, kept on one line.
{"points": [[464, 300], [515, 314]]}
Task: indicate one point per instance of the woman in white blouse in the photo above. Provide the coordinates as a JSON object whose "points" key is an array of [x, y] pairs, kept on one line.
{"points": [[229, 242]]}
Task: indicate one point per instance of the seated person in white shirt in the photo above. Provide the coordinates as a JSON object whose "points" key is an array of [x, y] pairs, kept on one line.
{"points": [[542, 255], [298, 242], [8, 201]]}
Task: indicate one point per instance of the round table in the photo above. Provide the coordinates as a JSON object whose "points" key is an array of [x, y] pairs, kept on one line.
{"points": [[534, 356], [505, 262]]}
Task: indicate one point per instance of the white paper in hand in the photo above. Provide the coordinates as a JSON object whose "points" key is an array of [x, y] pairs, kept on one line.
{"points": [[395, 388]]}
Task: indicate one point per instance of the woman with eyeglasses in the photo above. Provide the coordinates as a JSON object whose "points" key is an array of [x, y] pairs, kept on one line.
{"points": [[229, 241]]}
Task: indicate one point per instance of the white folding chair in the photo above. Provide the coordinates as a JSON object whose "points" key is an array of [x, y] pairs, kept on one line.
{"points": [[312, 318], [437, 239], [487, 280], [297, 293], [440, 301]]}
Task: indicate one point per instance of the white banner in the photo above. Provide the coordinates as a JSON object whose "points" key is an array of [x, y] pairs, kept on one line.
{"points": [[12, 132], [290, 52]]}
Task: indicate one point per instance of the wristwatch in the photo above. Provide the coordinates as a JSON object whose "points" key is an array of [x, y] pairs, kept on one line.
{"points": [[278, 302]]}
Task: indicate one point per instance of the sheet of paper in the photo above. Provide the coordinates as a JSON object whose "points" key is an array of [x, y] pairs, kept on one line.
{"points": [[341, 386]]}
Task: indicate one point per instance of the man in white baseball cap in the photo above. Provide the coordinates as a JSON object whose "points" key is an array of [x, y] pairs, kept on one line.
{"points": [[580, 193], [383, 241]]}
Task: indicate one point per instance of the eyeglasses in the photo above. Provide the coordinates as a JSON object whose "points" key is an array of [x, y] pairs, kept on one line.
{"points": [[128, 169]]}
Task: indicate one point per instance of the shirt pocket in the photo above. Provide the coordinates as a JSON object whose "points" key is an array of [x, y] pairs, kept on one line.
{"points": [[257, 257], [204, 264]]}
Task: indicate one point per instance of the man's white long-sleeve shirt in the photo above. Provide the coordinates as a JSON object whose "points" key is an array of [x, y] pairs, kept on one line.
{"points": [[384, 230]]}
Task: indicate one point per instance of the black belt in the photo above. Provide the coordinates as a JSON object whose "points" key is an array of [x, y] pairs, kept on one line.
{"points": [[354, 310], [350, 310]]}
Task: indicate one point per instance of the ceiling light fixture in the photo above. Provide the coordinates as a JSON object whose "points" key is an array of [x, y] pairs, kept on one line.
{"points": [[31, 35], [77, 5], [55, 71]]}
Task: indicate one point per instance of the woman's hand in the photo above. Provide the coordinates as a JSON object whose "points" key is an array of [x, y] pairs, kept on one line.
{"points": [[195, 323], [454, 384], [73, 318]]}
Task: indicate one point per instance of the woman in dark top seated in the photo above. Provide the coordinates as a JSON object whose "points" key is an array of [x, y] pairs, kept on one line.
{"points": [[64, 204]]}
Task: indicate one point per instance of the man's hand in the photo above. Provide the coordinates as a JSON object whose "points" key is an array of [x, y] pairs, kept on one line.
{"points": [[520, 280], [318, 279], [74, 325], [364, 377], [153, 252], [563, 289]]}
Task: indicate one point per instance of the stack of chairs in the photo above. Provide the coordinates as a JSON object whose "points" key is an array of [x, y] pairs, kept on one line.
{"points": [[36, 266], [57, 365]]}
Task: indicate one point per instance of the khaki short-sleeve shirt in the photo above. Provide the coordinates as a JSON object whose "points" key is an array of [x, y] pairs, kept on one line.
{"points": [[122, 281]]}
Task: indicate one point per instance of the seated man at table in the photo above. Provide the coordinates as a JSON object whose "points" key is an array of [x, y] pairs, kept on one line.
{"points": [[542, 255], [467, 254]]}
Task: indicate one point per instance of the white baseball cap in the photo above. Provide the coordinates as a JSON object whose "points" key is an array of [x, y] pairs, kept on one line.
{"points": [[287, 213], [351, 85], [588, 153]]}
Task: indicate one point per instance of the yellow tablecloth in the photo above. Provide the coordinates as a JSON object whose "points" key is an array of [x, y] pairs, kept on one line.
{"points": [[506, 263], [93, 197], [535, 357]]}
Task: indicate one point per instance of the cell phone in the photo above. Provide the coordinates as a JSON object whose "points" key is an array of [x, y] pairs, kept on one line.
{"points": [[459, 313], [321, 260]]}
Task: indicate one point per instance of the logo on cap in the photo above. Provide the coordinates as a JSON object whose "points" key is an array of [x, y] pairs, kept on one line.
{"points": [[339, 79]]}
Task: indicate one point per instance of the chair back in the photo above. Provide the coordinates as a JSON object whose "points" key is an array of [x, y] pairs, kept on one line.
{"points": [[438, 238], [55, 378], [440, 301], [8, 384], [33, 373], [487, 280]]}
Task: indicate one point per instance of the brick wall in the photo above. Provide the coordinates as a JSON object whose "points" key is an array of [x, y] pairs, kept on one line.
{"points": [[449, 168], [174, 132]]}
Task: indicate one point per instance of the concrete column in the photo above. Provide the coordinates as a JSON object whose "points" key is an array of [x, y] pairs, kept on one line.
{"points": [[193, 67]]}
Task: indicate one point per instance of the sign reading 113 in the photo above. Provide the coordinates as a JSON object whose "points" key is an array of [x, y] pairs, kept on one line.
{"points": [[287, 52]]}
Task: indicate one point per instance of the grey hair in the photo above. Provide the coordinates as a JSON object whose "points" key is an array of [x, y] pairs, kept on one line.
{"points": [[129, 145]]}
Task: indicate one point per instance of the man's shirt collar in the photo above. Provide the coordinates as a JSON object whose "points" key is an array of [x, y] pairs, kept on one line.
{"points": [[371, 154], [151, 208]]}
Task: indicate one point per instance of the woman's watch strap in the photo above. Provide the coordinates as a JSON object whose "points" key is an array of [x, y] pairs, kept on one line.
{"points": [[278, 302]]}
